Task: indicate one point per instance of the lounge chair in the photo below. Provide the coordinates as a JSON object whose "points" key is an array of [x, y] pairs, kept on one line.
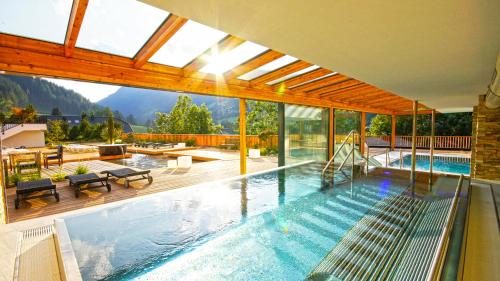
{"points": [[57, 155], [129, 175], [24, 189], [86, 181]]}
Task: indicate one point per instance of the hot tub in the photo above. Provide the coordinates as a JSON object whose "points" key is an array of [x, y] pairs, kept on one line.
{"points": [[112, 149]]}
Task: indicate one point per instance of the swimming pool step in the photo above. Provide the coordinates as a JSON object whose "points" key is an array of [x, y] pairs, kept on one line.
{"points": [[372, 240]]}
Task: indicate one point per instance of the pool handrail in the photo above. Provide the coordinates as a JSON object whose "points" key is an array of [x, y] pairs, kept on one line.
{"points": [[435, 270], [336, 152]]}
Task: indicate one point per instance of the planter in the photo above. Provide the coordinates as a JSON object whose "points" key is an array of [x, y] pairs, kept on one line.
{"points": [[112, 149]]}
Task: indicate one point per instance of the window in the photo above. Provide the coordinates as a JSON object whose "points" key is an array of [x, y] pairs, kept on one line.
{"points": [[187, 43], [291, 75], [275, 64], [43, 19], [119, 27], [228, 60]]}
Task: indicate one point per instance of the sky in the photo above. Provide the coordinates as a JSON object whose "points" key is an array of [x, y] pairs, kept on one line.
{"points": [[93, 91]]}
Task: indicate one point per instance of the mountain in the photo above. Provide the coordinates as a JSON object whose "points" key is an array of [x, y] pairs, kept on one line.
{"points": [[20, 91], [143, 103]]}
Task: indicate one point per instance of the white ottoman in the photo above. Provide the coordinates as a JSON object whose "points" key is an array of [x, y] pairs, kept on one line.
{"points": [[172, 164], [180, 145], [184, 161], [254, 153]]}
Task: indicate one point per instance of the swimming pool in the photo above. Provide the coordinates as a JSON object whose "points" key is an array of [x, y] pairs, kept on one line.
{"points": [[144, 161], [448, 164], [277, 225]]}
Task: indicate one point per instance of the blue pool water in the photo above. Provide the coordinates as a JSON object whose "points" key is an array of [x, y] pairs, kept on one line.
{"points": [[448, 164], [273, 226]]}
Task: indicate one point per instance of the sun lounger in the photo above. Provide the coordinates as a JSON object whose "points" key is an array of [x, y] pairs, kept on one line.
{"points": [[87, 181], [129, 175], [24, 189]]}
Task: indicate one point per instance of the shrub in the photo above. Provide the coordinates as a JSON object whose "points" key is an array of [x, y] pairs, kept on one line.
{"points": [[81, 169], [191, 142], [15, 178], [60, 176]]}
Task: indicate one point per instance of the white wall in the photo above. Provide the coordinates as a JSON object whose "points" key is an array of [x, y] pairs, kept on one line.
{"points": [[26, 138]]}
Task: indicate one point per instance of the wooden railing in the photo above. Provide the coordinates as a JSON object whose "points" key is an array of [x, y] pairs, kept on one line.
{"points": [[441, 142], [207, 140]]}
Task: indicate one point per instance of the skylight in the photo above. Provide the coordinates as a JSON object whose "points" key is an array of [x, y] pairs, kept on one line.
{"points": [[119, 27], [291, 75], [315, 79], [44, 19], [226, 61], [268, 67], [187, 43]]}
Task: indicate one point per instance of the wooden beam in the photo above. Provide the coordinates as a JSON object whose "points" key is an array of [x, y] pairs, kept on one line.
{"points": [[304, 78], [243, 137], [225, 45], [252, 64], [376, 97], [359, 95], [324, 90], [283, 71], [393, 132], [431, 157], [321, 83], [361, 88], [75, 23], [168, 28], [413, 175]]}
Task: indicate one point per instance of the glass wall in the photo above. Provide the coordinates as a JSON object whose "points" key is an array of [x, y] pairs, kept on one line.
{"points": [[306, 133], [345, 121]]}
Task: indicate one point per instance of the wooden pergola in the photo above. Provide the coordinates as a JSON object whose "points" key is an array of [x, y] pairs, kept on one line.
{"points": [[319, 87]]}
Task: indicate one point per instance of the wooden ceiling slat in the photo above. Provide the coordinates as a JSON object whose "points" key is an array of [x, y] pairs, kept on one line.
{"points": [[363, 95], [321, 83], [75, 23], [303, 78], [337, 86], [357, 90], [253, 63], [168, 28], [226, 44], [283, 71]]}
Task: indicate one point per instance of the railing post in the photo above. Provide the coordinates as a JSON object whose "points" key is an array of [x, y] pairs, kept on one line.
{"points": [[362, 133], [431, 159], [393, 131], [243, 137]]}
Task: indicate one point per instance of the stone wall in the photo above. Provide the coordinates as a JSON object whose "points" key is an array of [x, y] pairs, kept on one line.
{"points": [[485, 158]]}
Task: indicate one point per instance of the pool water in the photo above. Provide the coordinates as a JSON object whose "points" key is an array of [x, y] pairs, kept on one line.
{"points": [[143, 161], [448, 164], [273, 226]]}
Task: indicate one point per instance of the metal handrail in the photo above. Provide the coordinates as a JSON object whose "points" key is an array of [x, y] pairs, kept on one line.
{"points": [[336, 152], [437, 260]]}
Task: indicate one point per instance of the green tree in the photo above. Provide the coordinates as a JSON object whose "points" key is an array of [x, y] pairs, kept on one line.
{"points": [[85, 127], [380, 125], [74, 133], [56, 111], [55, 132], [28, 114], [186, 118]]}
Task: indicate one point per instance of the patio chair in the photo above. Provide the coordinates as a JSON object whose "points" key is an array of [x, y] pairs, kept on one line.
{"points": [[24, 189], [56, 155], [87, 181], [129, 175]]}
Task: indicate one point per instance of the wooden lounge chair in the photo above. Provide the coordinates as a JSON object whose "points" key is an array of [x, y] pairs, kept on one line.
{"points": [[129, 175], [24, 189], [57, 155], [86, 181]]}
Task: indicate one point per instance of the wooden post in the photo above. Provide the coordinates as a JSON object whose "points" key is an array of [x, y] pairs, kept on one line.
{"points": [[362, 133], [281, 135], [393, 132], [331, 134], [431, 159], [413, 176], [243, 136]]}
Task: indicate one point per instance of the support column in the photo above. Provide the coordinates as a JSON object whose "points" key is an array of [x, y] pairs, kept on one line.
{"points": [[413, 176], [393, 132], [362, 133], [281, 134], [431, 159], [331, 133], [243, 136]]}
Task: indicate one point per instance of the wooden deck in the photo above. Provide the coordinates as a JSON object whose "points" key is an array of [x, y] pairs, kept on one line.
{"points": [[164, 179]]}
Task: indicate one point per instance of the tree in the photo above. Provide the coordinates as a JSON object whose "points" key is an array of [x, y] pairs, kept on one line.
{"points": [[131, 119], [111, 131], [56, 111], [55, 132], [85, 127], [186, 118], [28, 114], [380, 125]]}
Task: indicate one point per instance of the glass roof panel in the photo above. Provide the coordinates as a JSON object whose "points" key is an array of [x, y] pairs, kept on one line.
{"points": [[291, 75], [315, 79], [228, 60], [119, 27], [268, 67], [187, 43], [44, 19]]}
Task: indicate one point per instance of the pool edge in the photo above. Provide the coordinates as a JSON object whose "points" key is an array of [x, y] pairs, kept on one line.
{"points": [[68, 266]]}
